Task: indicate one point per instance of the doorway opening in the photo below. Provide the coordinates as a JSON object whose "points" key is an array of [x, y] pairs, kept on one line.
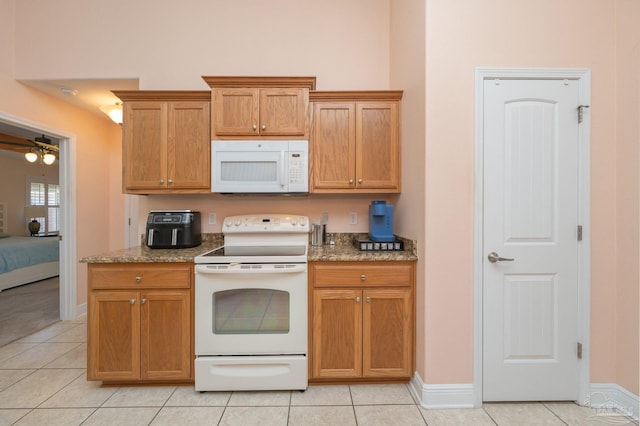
{"points": [[67, 221]]}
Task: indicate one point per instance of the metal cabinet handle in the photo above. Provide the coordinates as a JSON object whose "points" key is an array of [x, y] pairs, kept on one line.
{"points": [[132, 301], [350, 180], [263, 127], [358, 299], [363, 277], [495, 257], [143, 301], [161, 181], [368, 299], [138, 279], [254, 127], [170, 181], [359, 180]]}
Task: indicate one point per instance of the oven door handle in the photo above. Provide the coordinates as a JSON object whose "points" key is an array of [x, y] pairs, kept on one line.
{"points": [[237, 269]]}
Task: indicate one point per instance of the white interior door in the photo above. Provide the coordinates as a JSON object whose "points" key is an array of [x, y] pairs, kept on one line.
{"points": [[530, 318]]}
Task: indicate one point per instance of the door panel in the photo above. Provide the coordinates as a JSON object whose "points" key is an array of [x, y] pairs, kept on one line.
{"points": [[114, 337], [145, 159], [165, 335], [333, 159], [530, 216], [387, 333], [189, 145], [337, 333], [235, 111], [530, 318], [283, 111], [377, 145], [530, 151]]}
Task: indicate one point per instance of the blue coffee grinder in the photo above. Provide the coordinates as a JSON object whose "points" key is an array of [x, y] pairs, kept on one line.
{"points": [[381, 222]]}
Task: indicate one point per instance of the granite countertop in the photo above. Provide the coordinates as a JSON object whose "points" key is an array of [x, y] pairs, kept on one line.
{"points": [[143, 254], [343, 250]]}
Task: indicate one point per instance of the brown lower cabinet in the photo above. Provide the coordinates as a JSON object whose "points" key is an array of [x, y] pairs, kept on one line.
{"points": [[362, 321], [140, 322]]}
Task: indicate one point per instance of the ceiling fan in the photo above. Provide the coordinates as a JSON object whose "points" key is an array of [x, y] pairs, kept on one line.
{"points": [[39, 146]]}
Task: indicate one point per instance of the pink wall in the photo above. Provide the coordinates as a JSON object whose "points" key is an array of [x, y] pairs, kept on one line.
{"points": [[14, 170], [169, 45], [461, 36], [408, 72], [627, 193]]}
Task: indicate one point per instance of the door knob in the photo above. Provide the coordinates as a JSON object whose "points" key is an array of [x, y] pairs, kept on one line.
{"points": [[495, 257]]}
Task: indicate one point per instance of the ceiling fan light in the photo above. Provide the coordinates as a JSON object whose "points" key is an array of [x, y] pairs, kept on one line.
{"points": [[113, 111], [31, 157], [48, 158]]}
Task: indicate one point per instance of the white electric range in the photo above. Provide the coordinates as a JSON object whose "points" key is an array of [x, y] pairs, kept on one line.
{"points": [[251, 306]]}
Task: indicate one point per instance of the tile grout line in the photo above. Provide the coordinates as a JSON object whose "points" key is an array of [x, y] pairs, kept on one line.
{"points": [[552, 412], [489, 415]]}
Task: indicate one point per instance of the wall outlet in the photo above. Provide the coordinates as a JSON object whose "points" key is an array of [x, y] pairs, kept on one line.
{"points": [[212, 218], [353, 218]]}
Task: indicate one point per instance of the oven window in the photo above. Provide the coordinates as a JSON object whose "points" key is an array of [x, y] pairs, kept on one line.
{"points": [[251, 311]]}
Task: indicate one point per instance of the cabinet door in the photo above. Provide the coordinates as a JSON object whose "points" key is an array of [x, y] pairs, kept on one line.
{"points": [[333, 149], [388, 333], [113, 337], [188, 145], [377, 146], [165, 350], [145, 145], [235, 112], [283, 112], [337, 334]]}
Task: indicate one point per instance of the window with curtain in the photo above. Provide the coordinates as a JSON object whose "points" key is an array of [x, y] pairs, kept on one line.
{"points": [[42, 192]]}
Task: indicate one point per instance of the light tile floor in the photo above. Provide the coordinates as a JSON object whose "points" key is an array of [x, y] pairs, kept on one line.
{"points": [[42, 382]]}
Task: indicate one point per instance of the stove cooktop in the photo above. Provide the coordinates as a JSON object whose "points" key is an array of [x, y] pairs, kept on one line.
{"points": [[255, 254]]}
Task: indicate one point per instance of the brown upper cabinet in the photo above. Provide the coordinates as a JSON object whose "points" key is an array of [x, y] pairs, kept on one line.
{"points": [[166, 141], [260, 107], [355, 142]]}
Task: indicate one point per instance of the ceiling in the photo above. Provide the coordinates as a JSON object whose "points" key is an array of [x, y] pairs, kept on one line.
{"points": [[86, 94]]}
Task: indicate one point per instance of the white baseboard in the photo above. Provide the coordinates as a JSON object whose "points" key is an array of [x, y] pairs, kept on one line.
{"points": [[81, 310], [604, 396], [609, 396], [442, 395]]}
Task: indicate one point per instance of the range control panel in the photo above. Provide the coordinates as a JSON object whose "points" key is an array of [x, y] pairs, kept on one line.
{"points": [[266, 223]]}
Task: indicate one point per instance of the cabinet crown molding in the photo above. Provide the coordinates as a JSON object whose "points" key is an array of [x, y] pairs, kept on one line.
{"points": [[260, 82], [356, 95], [163, 95]]}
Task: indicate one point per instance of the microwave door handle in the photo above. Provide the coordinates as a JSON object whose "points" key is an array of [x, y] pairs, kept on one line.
{"points": [[283, 169]]}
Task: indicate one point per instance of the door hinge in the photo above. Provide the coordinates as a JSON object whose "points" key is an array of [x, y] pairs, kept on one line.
{"points": [[579, 232], [581, 112], [579, 350]]}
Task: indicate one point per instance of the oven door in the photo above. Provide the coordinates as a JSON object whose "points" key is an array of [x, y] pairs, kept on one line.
{"points": [[251, 309]]}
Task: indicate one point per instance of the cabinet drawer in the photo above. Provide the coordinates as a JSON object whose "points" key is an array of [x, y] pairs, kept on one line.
{"points": [[364, 274], [135, 276]]}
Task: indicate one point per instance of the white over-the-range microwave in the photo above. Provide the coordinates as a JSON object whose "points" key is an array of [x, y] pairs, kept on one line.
{"points": [[260, 167]]}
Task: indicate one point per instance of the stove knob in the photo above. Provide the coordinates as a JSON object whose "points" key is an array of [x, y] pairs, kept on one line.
{"points": [[303, 222], [238, 222], [227, 223], [294, 222]]}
